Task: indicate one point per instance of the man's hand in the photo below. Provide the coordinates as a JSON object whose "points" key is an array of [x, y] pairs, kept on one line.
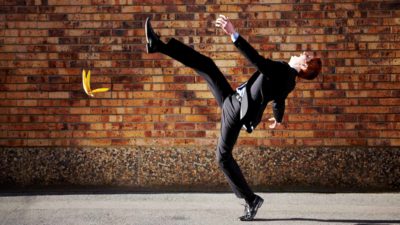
{"points": [[226, 25], [274, 123]]}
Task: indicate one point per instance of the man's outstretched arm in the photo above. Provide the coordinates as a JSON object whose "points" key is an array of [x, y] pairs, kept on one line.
{"points": [[261, 63]]}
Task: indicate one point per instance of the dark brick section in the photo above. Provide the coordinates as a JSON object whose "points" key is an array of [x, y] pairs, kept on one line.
{"points": [[339, 169]]}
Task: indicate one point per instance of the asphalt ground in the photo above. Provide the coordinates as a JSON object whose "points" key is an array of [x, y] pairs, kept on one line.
{"points": [[198, 208]]}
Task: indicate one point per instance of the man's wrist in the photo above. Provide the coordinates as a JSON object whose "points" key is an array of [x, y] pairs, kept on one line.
{"points": [[234, 36]]}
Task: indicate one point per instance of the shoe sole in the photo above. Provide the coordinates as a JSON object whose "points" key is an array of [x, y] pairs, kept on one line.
{"points": [[147, 26], [145, 29], [147, 37]]}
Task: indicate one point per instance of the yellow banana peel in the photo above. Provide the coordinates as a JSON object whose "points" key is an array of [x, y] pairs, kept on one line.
{"points": [[86, 85]]}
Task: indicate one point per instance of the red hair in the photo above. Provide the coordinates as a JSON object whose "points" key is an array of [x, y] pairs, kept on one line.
{"points": [[313, 69]]}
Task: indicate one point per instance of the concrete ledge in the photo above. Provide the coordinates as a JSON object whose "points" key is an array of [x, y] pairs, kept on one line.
{"points": [[143, 168]]}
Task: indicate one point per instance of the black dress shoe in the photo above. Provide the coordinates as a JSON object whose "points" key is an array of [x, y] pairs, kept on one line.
{"points": [[250, 210], [153, 40]]}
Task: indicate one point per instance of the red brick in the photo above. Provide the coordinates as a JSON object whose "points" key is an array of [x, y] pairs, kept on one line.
{"points": [[185, 126], [44, 48]]}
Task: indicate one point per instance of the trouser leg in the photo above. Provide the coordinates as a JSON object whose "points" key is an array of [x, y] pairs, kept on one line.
{"points": [[230, 129], [203, 65]]}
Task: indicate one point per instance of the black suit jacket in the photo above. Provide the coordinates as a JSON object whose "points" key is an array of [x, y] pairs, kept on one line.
{"points": [[272, 81]]}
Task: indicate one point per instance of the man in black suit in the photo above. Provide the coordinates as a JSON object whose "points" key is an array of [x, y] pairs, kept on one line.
{"points": [[243, 107]]}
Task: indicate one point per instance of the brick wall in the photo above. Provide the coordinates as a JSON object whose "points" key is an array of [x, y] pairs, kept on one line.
{"points": [[45, 44]]}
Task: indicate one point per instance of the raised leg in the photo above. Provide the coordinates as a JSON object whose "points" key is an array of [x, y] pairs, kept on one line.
{"points": [[202, 64]]}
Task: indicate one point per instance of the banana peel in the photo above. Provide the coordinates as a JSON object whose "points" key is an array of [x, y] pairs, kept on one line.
{"points": [[86, 85]]}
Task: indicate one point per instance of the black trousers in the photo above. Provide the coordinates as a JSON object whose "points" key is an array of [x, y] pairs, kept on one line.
{"points": [[230, 118]]}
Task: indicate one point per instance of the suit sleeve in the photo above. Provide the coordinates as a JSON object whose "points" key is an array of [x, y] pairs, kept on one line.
{"points": [[262, 64], [278, 108]]}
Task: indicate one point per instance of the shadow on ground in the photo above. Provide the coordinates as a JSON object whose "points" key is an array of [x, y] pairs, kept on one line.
{"points": [[353, 221]]}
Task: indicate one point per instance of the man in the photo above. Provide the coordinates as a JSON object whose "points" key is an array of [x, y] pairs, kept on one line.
{"points": [[243, 107]]}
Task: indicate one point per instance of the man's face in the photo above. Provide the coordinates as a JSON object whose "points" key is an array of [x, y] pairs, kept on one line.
{"points": [[301, 59]]}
